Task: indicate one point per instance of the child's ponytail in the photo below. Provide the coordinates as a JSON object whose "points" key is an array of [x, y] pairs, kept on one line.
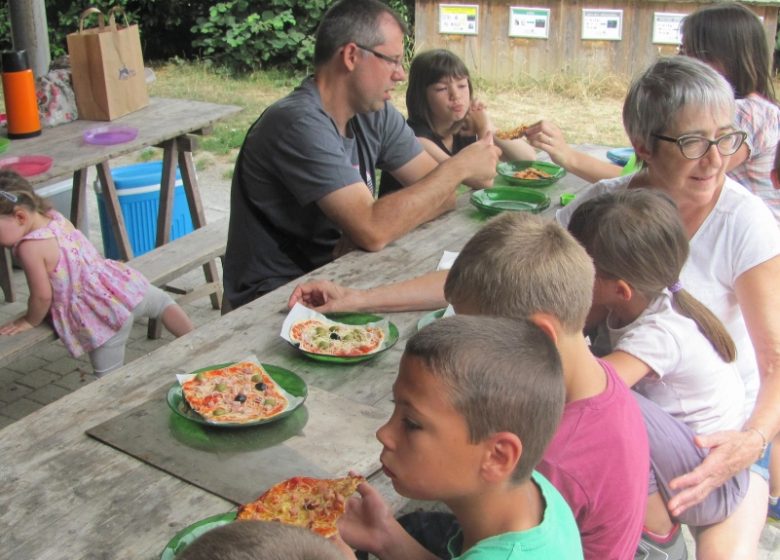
{"points": [[708, 323]]}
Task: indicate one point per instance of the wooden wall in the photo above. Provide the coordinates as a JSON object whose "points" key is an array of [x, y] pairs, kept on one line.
{"points": [[493, 55]]}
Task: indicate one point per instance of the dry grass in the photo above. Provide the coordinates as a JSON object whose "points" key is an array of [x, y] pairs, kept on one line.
{"points": [[588, 110]]}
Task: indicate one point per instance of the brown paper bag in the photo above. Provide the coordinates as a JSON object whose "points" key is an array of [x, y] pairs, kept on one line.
{"points": [[107, 67]]}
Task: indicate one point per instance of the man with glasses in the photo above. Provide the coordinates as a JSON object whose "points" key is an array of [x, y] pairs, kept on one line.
{"points": [[304, 186]]}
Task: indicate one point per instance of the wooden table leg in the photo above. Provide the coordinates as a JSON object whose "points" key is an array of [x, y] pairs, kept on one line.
{"points": [[6, 280], [167, 186], [114, 211], [180, 151], [192, 190]]}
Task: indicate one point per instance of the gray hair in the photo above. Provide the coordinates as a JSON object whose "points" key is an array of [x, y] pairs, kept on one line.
{"points": [[664, 89], [352, 21]]}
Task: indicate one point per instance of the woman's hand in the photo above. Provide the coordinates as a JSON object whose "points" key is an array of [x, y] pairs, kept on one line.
{"points": [[546, 136], [16, 326], [730, 452], [324, 296]]}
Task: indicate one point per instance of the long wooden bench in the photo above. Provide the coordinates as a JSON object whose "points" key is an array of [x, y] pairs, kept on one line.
{"points": [[160, 266]]}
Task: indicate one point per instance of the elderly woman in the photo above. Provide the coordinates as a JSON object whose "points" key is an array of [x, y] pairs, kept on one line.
{"points": [[679, 117]]}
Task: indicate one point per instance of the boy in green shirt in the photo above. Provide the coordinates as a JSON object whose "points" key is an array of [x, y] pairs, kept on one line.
{"points": [[477, 400]]}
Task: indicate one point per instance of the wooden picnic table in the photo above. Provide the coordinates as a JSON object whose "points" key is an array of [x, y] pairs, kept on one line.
{"points": [[64, 494], [166, 123]]}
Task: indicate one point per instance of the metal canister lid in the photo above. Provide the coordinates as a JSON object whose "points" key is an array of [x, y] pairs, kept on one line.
{"points": [[15, 61]]}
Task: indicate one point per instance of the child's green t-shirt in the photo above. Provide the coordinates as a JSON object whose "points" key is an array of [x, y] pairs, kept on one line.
{"points": [[556, 536]]}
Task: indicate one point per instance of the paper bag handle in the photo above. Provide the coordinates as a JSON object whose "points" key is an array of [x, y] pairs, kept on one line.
{"points": [[112, 16], [87, 12]]}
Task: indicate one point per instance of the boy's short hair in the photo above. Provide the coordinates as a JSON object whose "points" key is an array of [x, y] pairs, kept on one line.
{"points": [[502, 375], [260, 540], [519, 264]]}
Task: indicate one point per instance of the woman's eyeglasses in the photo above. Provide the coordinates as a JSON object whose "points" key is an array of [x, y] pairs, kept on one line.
{"points": [[694, 147]]}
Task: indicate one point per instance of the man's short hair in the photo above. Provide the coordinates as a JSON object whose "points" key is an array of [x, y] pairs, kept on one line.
{"points": [[502, 375], [519, 264], [352, 21], [260, 540]]}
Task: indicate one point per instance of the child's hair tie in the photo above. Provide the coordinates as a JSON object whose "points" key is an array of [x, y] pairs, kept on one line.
{"points": [[676, 287], [9, 196]]}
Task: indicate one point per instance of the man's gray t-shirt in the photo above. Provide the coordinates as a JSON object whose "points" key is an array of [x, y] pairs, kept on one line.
{"points": [[293, 156]]}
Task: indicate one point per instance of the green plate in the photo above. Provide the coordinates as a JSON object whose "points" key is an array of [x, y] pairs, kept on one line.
{"points": [[507, 170], [429, 318], [4, 142], [287, 380], [498, 199], [186, 536], [355, 319]]}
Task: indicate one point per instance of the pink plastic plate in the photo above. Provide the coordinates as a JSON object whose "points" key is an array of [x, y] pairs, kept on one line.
{"points": [[107, 135], [27, 166]]}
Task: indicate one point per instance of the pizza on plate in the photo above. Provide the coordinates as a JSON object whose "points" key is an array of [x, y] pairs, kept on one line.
{"points": [[531, 173], [239, 393], [313, 503], [513, 134], [336, 339]]}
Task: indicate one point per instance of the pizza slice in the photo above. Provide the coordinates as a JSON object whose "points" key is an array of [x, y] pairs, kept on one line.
{"points": [[513, 134], [238, 393], [336, 339], [313, 503]]}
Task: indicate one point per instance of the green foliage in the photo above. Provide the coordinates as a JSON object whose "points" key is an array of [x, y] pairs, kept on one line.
{"points": [[241, 36], [237, 35]]}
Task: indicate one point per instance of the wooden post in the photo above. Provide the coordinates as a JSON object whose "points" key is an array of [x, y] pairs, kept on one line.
{"points": [[29, 31]]}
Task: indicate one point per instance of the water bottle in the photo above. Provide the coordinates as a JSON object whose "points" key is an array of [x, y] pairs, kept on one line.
{"points": [[21, 104]]}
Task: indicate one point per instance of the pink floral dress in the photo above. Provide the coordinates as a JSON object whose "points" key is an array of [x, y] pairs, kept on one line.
{"points": [[92, 297]]}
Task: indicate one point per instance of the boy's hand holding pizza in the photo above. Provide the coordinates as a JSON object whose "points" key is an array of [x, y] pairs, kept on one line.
{"points": [[369, 525]]}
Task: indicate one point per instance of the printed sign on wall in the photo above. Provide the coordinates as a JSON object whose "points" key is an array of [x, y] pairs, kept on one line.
{"points": [[602, 25], [667, 28], [459, 19], [529, 22]]}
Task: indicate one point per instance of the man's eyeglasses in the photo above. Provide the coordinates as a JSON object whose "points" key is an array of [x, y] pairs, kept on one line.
{"points": [[395, 63], [9, 196], [694, 147]]}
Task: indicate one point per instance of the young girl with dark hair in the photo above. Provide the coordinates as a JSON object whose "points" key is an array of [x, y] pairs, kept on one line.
{"points": [[444, 113]]}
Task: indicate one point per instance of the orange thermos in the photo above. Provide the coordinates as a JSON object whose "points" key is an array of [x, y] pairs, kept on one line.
{"points": [[21, 104]]}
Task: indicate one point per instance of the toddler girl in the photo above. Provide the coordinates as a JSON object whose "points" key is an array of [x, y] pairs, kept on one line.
{"points": [[92, 301]]}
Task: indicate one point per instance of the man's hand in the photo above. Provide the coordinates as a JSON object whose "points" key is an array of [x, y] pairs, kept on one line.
{"points": [[16, 326], [479, 161], [730, 452], [324, 296], [367, 522]]}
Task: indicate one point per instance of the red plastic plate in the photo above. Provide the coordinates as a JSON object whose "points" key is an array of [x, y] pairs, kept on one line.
{"points": [[27, 166]]}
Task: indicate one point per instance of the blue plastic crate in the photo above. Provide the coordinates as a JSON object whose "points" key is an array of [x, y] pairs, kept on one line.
{"points": [[138, 190]]}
